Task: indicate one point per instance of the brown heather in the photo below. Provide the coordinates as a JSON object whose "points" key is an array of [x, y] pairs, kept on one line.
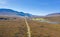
{"points": [[17, 28]]}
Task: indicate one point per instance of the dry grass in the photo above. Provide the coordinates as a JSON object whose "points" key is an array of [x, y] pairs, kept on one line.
{"points": [[55, 18], [39, 29], [17, 28], [13, 28]]}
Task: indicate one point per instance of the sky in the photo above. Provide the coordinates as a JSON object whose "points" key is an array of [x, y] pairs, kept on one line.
{"points": [[35, 7]]}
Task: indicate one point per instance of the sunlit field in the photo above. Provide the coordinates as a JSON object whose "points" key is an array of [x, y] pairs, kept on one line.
{"points": [[17, 28]]}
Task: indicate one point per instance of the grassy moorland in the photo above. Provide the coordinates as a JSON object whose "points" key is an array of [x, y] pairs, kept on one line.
{"points": [[17, 28], [13, 28], [39, 29], [53, 18]]}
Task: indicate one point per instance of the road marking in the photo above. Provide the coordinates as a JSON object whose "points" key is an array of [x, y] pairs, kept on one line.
{"points": [[28, 28]]}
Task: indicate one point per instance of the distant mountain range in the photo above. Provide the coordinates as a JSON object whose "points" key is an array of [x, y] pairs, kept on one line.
{"points": [[54, 14], [10, 12]]}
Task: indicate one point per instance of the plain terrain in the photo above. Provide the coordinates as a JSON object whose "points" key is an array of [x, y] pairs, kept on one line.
{"points": [[16, 27]]}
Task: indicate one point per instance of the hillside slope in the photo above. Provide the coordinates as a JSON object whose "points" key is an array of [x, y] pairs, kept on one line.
{"points": [[10, 12], [54, 14]]}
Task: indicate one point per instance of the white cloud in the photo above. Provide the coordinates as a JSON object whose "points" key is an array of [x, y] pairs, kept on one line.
{"points": [[3, 3]]}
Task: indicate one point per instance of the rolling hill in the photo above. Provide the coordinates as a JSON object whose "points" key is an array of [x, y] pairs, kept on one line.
{"points": [[54, 14], [10, 12]]}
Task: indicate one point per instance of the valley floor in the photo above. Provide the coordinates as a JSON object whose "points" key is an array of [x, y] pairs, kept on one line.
{"points": [[18, 28]]}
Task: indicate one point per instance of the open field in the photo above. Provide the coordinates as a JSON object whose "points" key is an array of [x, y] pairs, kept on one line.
{"points": [[13, 28], [53, 18], [17, 28], [39, 29]]}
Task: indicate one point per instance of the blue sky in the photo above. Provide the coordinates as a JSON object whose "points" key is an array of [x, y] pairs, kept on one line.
{"points": [[35, 7]]}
